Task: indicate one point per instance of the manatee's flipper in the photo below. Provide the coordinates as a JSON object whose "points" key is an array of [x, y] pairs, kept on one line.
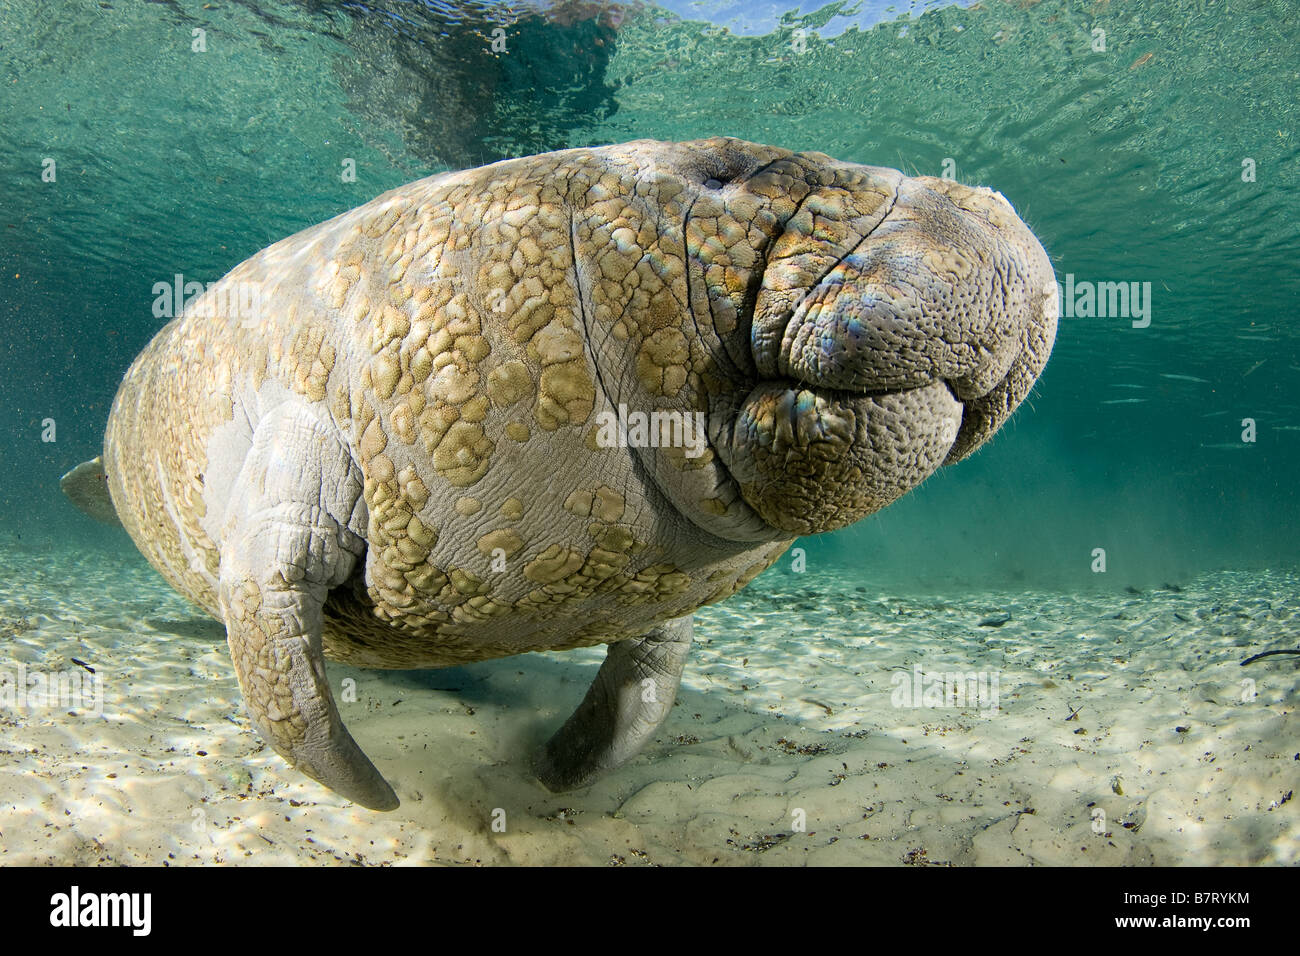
{"points": [[87, 487], [632, 694], [288, 538]]}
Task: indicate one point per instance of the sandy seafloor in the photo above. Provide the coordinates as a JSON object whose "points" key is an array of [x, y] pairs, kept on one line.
{"points": [[785, 707]]}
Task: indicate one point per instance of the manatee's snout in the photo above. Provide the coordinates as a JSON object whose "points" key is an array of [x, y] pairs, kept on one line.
{"points": [[906, 353], [951, 287]]}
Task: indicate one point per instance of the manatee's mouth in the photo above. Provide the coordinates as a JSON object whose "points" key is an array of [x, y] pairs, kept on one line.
{"points": [[907, 356], [980, 408], [811, 459], [863, 399]]}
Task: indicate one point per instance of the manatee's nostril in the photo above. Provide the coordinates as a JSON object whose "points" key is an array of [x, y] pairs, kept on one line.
{"points": [[713, 184]]}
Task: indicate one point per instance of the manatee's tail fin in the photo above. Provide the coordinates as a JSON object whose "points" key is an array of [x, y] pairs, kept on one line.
{"points": [[87, 487]]}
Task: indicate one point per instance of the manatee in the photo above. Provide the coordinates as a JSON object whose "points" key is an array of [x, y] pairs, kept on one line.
{"points": [[559, 401]]}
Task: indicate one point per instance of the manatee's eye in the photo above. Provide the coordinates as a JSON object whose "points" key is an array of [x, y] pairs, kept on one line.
{"points": [[713, 184]]}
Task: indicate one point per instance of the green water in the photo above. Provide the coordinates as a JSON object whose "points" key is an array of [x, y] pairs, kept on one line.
{"points": [[1127, 162]]}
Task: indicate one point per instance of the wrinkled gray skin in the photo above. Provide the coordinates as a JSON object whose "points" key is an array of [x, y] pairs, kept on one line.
{"points": [[394, 460]]}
